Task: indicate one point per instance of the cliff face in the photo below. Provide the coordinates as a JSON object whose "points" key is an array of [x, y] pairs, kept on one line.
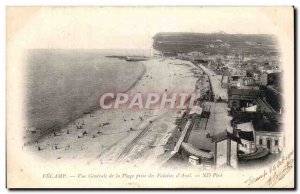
{"points": [[214, 43]]}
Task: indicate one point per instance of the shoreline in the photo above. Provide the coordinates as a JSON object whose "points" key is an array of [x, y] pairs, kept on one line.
{"points": [[58, 127], [119, 135]]}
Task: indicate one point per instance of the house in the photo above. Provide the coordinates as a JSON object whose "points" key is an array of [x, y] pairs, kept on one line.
{"points": [[269, 134], [260, 137]]}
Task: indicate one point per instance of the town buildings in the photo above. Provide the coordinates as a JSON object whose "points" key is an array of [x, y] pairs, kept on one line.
{"points": [[251, 77]]}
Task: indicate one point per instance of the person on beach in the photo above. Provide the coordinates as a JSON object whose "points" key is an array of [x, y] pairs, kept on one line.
{"points": [[99, 132], [84, 133]]}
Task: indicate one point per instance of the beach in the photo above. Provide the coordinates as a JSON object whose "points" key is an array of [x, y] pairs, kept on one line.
{"points": [[122, 135]]}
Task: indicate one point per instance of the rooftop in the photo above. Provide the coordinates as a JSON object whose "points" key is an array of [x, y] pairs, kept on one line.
{"points": [[217, 123], [246, 135], [246, 92]]}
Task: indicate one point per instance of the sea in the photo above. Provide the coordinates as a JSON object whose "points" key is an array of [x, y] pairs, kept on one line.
{"points": [[62, 85]]}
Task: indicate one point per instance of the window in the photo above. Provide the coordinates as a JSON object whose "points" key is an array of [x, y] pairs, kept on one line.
{"points": [[276, 142], [260, 141]]}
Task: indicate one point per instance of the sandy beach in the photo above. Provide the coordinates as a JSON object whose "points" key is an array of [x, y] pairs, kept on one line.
{"points": [[121, 135]]}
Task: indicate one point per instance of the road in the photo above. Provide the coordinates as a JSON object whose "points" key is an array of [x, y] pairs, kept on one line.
{"points": [[215, 81]]}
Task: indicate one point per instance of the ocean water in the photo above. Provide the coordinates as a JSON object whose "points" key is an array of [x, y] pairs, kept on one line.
{"points": [[64, 84]]}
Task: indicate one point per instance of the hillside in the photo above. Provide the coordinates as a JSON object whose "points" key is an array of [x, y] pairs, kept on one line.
{"points": [[215, 43]]}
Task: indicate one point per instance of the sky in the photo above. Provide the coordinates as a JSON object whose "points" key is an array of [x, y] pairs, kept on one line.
{"points": [[128, 27]]}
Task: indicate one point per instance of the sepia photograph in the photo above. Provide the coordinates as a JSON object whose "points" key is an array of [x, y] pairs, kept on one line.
{"points": [[150, 97]]}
